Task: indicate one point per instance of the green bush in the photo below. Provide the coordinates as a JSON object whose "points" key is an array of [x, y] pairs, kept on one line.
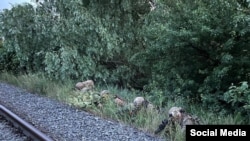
{"points": [[8, 61], [196, 49], [190, 50], [238, 97]]}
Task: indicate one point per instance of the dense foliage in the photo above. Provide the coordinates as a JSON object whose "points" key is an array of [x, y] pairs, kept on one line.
{"points": [[190, 49], [199, 49]]}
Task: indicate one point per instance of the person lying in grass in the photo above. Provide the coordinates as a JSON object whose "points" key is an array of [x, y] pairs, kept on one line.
{"points": [[177, 117]]}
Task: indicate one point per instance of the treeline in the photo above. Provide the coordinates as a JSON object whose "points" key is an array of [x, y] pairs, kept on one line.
{"points": [[197, 50]]}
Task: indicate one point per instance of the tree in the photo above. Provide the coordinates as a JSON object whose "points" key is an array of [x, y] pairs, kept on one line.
{"points": [[197, 49], [17, 28]]}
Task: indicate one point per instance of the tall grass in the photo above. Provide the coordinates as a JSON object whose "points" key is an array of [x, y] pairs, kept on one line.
{"points": [[147, 121], [37, 83]]}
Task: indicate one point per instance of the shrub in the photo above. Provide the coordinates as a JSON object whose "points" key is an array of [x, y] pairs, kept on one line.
{"points": [[238, 97]]}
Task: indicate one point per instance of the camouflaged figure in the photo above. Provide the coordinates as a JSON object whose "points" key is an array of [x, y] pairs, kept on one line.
{"points": [[138, 104], [177, 117]]}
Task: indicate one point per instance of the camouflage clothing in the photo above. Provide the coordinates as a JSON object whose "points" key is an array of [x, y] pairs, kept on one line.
{"points": [[177, 117]]}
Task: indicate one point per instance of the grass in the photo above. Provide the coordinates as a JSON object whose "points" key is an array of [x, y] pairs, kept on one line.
{"points": [[147, 121]]}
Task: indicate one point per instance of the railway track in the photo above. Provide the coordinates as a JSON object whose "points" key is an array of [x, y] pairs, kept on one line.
{"points": [[25, 127], [63, 122]]}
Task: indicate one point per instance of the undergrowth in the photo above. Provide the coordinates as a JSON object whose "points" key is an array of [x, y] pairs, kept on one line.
{"points": [[147, 121]]}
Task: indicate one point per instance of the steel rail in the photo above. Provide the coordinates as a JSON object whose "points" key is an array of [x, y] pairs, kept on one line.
{"points": [[26, 128]]}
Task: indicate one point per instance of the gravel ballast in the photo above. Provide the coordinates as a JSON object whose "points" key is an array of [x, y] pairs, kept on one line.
{"points": [[10, 133], [65, 123]]}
